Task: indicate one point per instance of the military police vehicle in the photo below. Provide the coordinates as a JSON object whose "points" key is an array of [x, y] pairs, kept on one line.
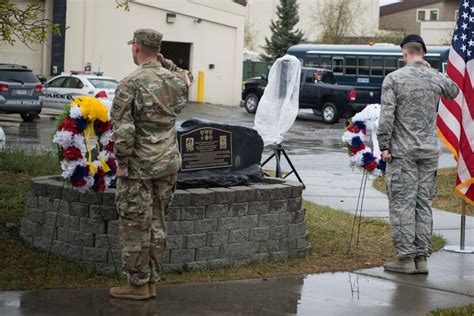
{"points": [[61, 90]]}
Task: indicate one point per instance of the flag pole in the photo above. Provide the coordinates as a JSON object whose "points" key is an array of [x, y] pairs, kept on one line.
{"points": [[462, 247], [463, 226]]}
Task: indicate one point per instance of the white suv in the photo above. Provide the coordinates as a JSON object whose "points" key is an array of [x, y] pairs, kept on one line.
{"points": [[61, 90]]}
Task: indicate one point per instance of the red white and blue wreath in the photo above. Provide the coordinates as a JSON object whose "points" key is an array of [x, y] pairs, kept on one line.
{"points": [[361, 155], [84, 139]]}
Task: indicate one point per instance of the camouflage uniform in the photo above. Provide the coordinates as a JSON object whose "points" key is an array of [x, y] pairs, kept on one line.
{"points": [[407, 128], [145, 108]]}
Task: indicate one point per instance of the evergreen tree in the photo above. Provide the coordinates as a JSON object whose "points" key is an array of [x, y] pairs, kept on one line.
{"points": [[283, 30]]}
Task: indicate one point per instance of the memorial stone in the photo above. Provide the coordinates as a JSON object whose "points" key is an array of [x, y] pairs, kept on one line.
{"points": [[218, 155]]}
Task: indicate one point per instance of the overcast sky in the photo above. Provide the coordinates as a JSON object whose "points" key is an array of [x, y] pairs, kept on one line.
{"points": [[384, 2]]}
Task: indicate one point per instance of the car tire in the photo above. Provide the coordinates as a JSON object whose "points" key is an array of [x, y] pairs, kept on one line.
{"points": [[28, 117], [251, 103], [330, 113]]}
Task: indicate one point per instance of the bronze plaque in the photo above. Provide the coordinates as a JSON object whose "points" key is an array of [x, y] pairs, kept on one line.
{"points": [[206, 148]]}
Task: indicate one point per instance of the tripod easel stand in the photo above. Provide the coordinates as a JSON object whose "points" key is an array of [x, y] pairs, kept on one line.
{"points": [[277, 151]]}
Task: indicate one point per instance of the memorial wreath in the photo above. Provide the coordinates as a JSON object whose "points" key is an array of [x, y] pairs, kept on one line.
{"points": [[362, 155], [85, 145]]}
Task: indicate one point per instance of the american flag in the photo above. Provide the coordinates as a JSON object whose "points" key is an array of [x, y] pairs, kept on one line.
{"points": [[455, 117]]}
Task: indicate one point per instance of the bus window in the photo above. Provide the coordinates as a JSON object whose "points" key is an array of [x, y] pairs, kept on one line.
{"points": [[390, 64], [351, 66], [338, 65], [326, 62], [376, 68], [435, 64], [445, 67], [363, 66], [401, 63], [311, 61]]}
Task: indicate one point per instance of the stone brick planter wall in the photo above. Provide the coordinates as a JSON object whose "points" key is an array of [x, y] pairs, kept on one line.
{"points": [[206, 227]]}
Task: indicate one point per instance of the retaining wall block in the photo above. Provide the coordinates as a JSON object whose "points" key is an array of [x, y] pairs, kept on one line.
{"points": [[278, 206], [227, 223], [101, 212], [92, 226], [196, 241], [182, 255], [201, 197], [238, 236], [223, 195], [238, 209], [217, 211], [94, 254], [257, 208], [243, 194], [181, 198], [191, 213]]}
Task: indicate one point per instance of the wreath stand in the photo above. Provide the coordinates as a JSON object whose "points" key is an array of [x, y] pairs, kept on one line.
{"points": [[358, 213], [277, 151], [358, 210]]}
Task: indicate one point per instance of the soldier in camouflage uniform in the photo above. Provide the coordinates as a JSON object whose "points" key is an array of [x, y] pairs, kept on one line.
{"points": [[407, 137], [144, 112]]}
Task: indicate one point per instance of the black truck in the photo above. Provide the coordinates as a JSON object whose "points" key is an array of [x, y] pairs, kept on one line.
{"points": [[318, 91]]}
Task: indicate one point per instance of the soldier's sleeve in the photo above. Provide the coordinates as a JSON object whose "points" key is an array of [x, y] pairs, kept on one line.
{"points": [[183, 73], [449, 89], [168, 64], [123, 123], [387, 113]]}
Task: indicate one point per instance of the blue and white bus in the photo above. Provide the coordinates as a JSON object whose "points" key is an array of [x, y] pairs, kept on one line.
{"points": [[362, 65]]}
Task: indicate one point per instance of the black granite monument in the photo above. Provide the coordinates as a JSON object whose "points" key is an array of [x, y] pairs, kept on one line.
{"points": [[218, 155]]}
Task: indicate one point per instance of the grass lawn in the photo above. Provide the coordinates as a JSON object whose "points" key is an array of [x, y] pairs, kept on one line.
{"points": [[23, 267], [445, 198], [467, 310]]}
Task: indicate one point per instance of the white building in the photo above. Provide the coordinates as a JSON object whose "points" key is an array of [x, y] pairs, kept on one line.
{"points": [[207, 35], [261, 12]]}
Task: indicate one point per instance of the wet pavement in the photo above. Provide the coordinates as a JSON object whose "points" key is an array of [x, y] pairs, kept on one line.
{"points": [[308, 135], [322, 294], [315, 151]]}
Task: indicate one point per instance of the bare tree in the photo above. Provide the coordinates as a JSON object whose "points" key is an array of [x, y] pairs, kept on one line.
{"points": [[250, 36], [336, 19]]}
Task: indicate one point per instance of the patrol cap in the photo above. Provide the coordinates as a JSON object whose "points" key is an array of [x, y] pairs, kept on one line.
{"points": [[147, 37], [413, 38]]}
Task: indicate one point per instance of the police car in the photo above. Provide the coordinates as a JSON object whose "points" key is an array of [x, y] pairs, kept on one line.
{"points": [[61, 90]]}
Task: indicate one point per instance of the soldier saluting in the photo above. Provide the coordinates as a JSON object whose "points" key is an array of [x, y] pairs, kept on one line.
{"points": [[408, 141], [146, 105]]}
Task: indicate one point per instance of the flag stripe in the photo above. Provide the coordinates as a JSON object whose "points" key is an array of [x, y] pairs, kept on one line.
{"points": [[455, 117]]}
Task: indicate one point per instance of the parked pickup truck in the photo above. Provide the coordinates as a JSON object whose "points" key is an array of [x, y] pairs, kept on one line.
{"points": [[318, 91]]}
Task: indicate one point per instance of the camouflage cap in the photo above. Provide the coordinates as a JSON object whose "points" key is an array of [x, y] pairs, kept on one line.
{"points": [[147, 37]]}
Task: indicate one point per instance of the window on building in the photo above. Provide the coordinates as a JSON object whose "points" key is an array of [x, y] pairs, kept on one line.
{"points": [[338, 65], [376, 68], [351, 66], [363, 64], [427, 15], [311, 61], [434, 15], [390, 64], [421, 15]]}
